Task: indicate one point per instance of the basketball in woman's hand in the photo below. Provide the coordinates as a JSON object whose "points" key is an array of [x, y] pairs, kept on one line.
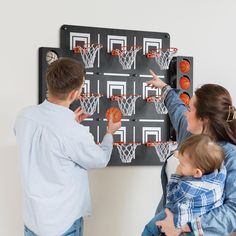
{"points": [[116, 114]]}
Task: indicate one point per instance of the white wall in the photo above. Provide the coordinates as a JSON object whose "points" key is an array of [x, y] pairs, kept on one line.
{"points": [[123, 198]]}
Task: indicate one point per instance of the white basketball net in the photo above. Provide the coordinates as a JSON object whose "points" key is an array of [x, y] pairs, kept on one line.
{"points": [[88, 54], [127, 104], [89, 103], [127, 57], [159, 105], [163, 149], [127, 151], [163, 58]]}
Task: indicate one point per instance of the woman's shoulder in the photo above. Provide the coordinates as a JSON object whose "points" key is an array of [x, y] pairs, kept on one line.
{"points": [[230, 154], [228, 147]]}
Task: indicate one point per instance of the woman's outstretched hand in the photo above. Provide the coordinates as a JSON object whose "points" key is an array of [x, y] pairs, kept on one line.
{"points": [[155, 82]]}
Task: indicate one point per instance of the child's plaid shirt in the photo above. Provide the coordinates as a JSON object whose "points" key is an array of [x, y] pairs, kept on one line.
{"points": [[190, 197]]}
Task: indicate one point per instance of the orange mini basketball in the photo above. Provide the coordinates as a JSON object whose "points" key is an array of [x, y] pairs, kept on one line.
{"points": [[184, 82], [185, 98], [184, 66], [116, 113]]}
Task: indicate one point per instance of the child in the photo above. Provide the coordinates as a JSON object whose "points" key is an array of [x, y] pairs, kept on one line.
{"points": [[55, 153], [198, 184]]}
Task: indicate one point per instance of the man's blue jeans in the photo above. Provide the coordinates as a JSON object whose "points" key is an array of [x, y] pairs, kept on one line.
{"points": [[75, 230]]}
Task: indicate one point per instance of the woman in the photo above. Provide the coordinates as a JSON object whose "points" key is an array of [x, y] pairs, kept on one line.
{"points": [[210, 111]]}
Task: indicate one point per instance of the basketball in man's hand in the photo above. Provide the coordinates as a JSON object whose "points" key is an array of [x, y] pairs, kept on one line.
{"points": [[116, 114]]}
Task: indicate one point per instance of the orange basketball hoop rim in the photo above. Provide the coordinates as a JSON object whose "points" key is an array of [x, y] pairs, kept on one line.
{"points": [[84, 95], [157, 52], [126, 143], [156, 143], [153, 98], [86, 47], [123, 96], [125, 49]]}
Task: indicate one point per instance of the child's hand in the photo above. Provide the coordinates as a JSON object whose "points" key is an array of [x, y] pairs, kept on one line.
{"points": [[79, 115]]}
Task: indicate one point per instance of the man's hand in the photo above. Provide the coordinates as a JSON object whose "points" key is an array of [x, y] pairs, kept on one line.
{"points": [[79, 115], [113, 127], [167, 225]]}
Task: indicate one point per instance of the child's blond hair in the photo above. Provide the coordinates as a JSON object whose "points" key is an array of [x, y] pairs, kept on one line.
{"points": [[203, 153]]}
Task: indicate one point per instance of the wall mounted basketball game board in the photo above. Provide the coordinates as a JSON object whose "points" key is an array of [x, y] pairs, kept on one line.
{"points": [[117, 66]]}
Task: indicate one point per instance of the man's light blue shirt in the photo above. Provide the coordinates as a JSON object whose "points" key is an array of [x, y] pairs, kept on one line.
{"points": [[55, 154]]}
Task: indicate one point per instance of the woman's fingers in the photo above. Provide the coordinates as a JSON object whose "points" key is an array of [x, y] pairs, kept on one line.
{"points": [[152, 73]]}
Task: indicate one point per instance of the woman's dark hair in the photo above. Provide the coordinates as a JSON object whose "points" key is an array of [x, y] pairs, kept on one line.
{"points": [[63, 76], [213, 103]]}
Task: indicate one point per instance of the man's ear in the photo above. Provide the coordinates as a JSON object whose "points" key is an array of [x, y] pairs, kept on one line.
{"points": [[73, 95], [198, 173]]}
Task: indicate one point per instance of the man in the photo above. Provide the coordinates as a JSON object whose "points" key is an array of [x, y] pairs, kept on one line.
{"points": [[55, 153]]}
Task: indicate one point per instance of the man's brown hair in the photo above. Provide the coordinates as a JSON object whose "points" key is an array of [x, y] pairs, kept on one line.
{"points": [[63, 76], [203, 152]]}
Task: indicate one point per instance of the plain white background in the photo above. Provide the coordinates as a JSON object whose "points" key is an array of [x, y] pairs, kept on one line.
{"points": [[124, 198]]}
